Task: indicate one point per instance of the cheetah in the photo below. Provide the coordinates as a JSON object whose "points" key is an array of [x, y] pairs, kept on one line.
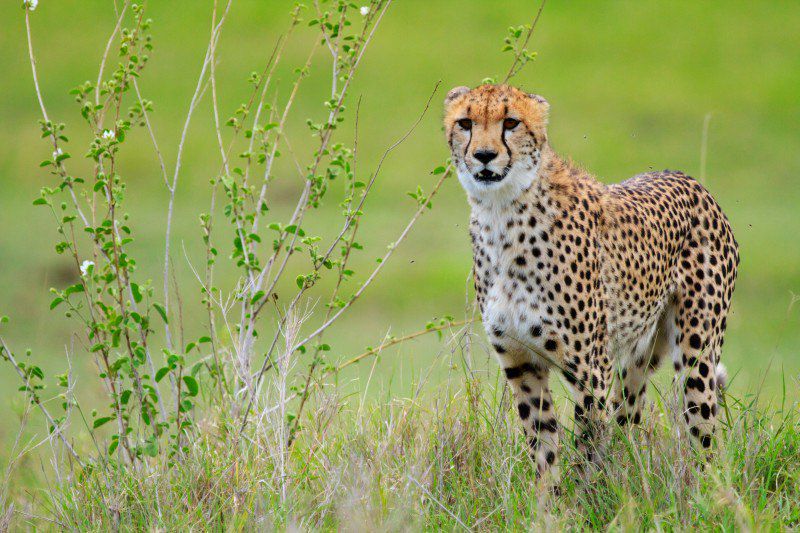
{"points": [[596, 282]]}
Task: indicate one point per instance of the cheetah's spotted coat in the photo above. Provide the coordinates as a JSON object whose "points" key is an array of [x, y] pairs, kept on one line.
{"points": [[597, 282]]}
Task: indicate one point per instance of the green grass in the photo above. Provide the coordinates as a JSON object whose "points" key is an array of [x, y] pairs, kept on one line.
{"points": [[630, 85], [449, 456]]}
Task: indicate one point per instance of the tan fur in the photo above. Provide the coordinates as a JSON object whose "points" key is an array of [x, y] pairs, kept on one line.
{"points": [[596, 282]]}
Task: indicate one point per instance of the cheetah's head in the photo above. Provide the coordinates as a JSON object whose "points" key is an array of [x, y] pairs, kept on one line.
{"points": [[496, 134]]}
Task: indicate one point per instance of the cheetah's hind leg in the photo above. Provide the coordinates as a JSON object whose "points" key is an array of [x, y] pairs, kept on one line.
{"points": [[633, 371], [696, 359]]}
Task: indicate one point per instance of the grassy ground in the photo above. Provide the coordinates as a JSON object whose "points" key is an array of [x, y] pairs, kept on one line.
{"points": [[630, 85], [449, 456]]}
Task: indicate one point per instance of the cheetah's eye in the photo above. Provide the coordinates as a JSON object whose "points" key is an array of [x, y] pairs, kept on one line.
{"points": [[465, 123], [510, 123]]}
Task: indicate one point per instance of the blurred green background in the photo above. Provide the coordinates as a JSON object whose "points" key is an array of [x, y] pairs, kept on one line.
{"points": [[630, 84]]}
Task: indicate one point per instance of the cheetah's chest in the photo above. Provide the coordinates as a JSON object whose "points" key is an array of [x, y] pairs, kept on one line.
{"points": [[538, 276], [509, 254]]}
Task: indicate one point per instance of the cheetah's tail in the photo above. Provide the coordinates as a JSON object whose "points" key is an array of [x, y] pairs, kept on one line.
{"points": [[722, 378]]}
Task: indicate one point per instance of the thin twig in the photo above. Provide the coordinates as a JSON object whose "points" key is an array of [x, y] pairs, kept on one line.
{"points": [[399, 340], [267, 362], [38, 90], [384, 259], [513, 70], [29, 387], [302, 205], [120, 16], [178, 159], [375, 351], [152, 133], [361, 289]]}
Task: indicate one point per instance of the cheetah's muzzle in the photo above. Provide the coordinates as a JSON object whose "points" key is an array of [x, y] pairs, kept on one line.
{"points": [[488, 176]]}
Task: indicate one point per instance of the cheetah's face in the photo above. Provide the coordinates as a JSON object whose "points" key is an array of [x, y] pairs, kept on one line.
{"points": [[495, 133]]}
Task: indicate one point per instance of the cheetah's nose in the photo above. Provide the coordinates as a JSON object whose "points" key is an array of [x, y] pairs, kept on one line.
{"points": [[484, 156]]}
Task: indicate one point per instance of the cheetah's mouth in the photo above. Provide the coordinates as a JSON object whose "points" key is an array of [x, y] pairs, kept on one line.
{"points": [[487, 176]]}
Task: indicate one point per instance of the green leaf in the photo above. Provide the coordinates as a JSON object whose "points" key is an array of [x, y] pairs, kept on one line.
{"points": [[161, 311], [36, 371], [161, 373], [293, 229], [191, 385], [256, 297], [137, 293], [124, 397], [73, 289], [55, 302], [100, 421]]}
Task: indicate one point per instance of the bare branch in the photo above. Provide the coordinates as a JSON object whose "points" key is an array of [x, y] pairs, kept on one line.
{"points": [[380, 266], [120, 17], [38, 90], [329, 320], [35, 399], [515, 65], [172, 188]]}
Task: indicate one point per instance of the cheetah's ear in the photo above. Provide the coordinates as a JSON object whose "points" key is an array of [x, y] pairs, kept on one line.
{"points": [[543, 104], [540, 100], [455, 93]]}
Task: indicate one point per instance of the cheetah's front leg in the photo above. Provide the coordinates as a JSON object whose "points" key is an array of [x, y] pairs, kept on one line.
{"points": [[534, 403]]}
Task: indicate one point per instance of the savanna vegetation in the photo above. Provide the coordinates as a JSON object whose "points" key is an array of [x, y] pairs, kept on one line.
{"points": [[236, 288]]}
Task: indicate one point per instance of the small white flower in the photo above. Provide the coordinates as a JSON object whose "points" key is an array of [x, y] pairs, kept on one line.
{"points": [[31, 4], [364, 11], [57, 153], [85, 267], [109, 135]]}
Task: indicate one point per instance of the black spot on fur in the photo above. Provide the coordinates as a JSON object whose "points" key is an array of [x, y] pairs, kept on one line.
{"points": [[517, 371], [694, 341]]}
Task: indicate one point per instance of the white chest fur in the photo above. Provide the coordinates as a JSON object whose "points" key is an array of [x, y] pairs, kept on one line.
{"points": [[507, 270]]}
